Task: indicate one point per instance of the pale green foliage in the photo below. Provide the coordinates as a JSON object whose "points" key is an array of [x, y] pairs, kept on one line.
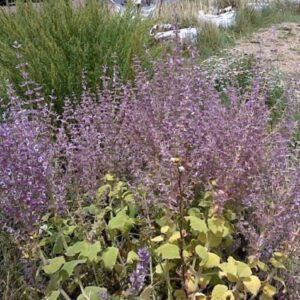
{"points": [[102, 250]]}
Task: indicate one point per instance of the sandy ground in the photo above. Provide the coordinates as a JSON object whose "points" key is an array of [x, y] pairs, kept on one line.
{"points": [[279, 45]]}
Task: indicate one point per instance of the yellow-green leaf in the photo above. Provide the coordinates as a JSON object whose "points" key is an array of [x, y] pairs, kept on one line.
{"points": [[277, 264], [121, 222], [218, 292], [262, 266], [243, 270], [212, 261], [230, 269], [174, 237], [157, 239], [228, 296], [92, 293], [168, 251], [269, 290], [165, 229], [216, 225], [199, 296], [76, 248], [131, 257], [214, 241], [109, 178], [197, 224], [109, 257], [53, 296], [54, 264], [202, 253], [69, 266], [204, 281], [252, 284], [91, 251]]}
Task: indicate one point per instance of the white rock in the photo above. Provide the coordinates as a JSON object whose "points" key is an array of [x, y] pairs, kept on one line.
{"points": [[224, 20], [183, 35]]}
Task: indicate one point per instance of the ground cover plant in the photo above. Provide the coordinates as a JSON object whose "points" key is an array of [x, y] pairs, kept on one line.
{"points": [[153, 189]]}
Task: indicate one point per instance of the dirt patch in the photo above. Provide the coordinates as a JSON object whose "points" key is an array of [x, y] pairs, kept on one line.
{"points": [[278, 45]]}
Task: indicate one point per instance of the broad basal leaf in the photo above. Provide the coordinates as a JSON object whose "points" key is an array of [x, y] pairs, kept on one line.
{"points": [[252, 284], [68, 268], [54, 265], [109, 257], [121, 222], [197, 224], [131, 257], [212, 261], [168, 251]]}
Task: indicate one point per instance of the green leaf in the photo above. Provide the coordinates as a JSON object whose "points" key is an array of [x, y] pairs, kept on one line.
{"points": [[230, 269], [157, 239], [197, 224], [109, 178], [202, 253], [69, 229], [243, 270], [121, 222], [168, 251], [128, 197], [69, 267], [194, 211], [262, 266], [54, 264], [277, 264], [76, 248], [109, 257], [213, 240], [165, 229], [103, 190], [54, 282], [216, 225], [91, 292], [212, 261], [269, 290], [58, 245], [85, 249], [131, 257], [53, 296], [218, 292], [174, 237], [91, 251], [252, 284]]}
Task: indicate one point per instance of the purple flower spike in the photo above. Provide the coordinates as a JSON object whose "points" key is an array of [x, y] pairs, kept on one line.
{"points": [[137, 278]]}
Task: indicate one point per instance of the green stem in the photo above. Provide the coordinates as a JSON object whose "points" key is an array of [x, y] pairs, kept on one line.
{"points": [[64, 294], [180, 225]]}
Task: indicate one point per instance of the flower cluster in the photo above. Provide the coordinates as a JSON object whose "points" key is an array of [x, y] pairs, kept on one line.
{"points": [[138, 277]]}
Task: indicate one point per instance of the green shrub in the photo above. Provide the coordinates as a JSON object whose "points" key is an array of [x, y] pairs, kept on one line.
{"points": [[59, 41]]}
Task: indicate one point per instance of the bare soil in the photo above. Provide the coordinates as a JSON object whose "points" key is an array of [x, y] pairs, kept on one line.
{"points": [[278, 45]]}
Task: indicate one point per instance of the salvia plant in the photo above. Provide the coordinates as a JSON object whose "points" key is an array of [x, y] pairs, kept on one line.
{"points": [[175, 143]]}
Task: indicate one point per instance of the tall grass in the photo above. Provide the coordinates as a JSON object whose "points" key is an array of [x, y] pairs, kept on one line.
{"points": [[59, 41]]}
